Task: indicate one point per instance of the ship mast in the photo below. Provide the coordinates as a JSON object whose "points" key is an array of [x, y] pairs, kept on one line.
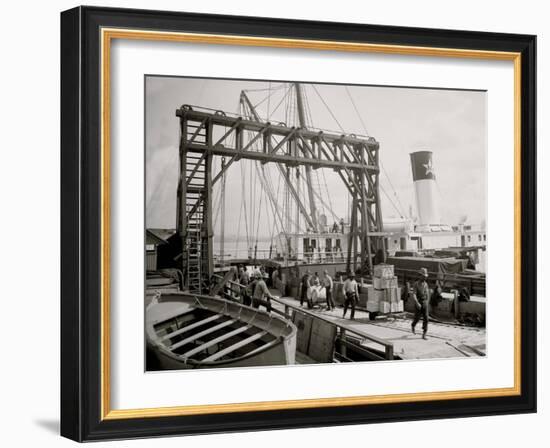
{"points": [[302, 122]]}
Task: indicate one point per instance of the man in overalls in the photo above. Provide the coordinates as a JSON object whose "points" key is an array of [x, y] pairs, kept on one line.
{"points": [[421, 296]]}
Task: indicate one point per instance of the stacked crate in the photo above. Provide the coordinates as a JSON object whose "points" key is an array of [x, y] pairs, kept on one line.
{"points": [[384, 296]]}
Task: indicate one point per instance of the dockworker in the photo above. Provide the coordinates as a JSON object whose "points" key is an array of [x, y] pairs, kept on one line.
{"points": [[263, 272], [471, 261], [306, 283], [421, 296], [351, 293], [247, 288], [246, 292], [274, 277], [327, 282], [262, 296], [244, 278]]}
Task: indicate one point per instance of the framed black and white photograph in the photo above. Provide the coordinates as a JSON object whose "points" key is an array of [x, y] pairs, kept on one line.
{"points": [[277, 224], [288, 222]]}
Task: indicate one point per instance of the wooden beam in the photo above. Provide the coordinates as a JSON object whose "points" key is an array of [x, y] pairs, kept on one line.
{"points": [[191, 327], [203, 333], [215, 341], [229, 275], [235, 346], [287, 137], [203, 155], [237, 156], [192, 139], [264, 347], [207, 198], [231, 129], [278, 158], [281, 130]]}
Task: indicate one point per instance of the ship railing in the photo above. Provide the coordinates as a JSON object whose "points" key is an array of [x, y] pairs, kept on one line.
{"points": [[342, 330], [265, 254], [233, 290]]}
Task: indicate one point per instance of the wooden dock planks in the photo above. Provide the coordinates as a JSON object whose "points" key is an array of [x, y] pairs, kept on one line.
{"points": [[398, 331]]}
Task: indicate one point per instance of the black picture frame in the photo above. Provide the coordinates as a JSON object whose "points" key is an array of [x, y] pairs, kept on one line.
{"points": [[81, 209]]}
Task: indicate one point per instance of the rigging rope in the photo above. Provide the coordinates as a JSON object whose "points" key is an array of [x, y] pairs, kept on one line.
{"points": [[276, 195], [243, 195], [400, 209], [392, 203], [329, 207], [356, 111], [277, 87], [267, 98], [328, 108]]}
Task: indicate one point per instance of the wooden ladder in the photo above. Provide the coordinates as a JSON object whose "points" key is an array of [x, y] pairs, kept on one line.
{"points": [[196, 239]]}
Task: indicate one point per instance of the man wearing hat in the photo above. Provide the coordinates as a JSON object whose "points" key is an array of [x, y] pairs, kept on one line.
{"points": [[306, 283], [261, 296], [421, 296], [351, 293]]}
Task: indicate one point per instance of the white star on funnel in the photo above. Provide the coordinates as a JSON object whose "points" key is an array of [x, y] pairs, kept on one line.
{"points": [[429, 167]]}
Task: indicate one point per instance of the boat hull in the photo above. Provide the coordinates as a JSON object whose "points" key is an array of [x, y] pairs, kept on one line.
{"points": [[249, 338], [282, 354]]}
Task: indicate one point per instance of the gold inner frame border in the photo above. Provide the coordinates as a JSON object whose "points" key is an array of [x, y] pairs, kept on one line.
{"points": [[107, 36]]}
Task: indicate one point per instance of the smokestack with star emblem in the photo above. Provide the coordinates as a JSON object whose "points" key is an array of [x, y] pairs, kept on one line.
{"points": [[425, 189]]}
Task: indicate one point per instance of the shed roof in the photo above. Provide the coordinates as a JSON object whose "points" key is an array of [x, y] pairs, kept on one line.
{"points": [[153, 238]]}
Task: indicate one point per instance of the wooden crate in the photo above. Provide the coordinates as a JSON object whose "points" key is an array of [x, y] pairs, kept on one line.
{"points": [[373, 306], [384, 307], [383, 283], [375, 295], [392, 295], [396, 307], [362, 299], [383, 271]]}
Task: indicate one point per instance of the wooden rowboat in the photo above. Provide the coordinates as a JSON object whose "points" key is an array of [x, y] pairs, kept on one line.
{"points": [[188, 331]]}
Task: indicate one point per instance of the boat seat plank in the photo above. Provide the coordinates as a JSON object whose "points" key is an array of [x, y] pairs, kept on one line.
{"points": [[235, 346], [215, 341], [203, 333], [263, 347], [190, 327]]}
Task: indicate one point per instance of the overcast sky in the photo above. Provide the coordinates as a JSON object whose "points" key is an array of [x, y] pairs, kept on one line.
{"points": [[452, 124]]}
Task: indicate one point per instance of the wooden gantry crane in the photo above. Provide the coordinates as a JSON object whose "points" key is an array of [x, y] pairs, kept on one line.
{"points": [[205, 134]]}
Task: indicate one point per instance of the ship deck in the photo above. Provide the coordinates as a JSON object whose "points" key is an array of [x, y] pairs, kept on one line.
{"points": [[445, 340]]}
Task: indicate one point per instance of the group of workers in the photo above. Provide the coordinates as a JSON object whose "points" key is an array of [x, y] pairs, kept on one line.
{"points": [[255, 293], [351, 291], [309, 280], [419, 293]]}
